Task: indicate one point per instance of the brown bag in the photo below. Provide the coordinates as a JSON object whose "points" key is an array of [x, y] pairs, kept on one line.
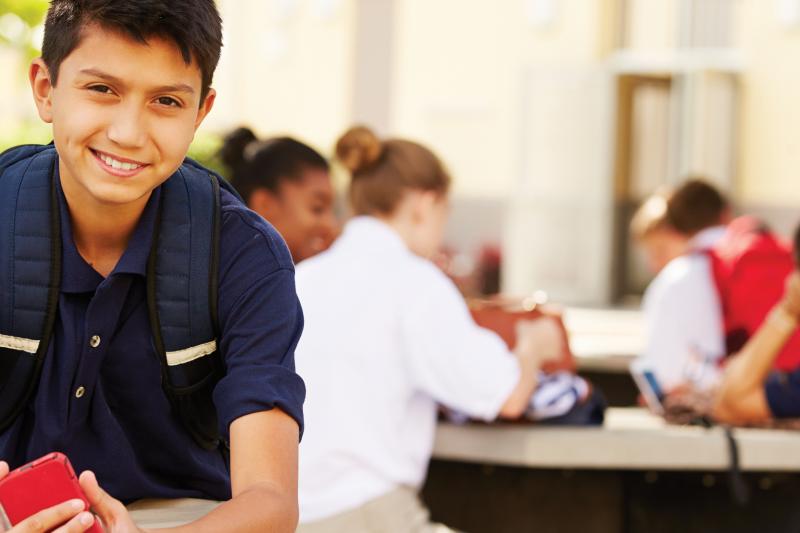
{"points": [[501, 314]]}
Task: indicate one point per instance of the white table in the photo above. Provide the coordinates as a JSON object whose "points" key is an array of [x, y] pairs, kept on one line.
{"points": [[604, 340]]}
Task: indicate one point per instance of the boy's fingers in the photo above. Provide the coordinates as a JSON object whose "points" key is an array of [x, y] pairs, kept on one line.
{"points": [[106, 507], [50, 518], [78, 524], [3, 469]]}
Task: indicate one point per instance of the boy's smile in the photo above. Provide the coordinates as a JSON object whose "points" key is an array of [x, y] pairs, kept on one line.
{"points": [[123, 115], [118, 166]]}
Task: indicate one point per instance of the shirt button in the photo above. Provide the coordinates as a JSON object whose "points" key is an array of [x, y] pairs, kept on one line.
{"points": [[79, 392], [94, 342]]}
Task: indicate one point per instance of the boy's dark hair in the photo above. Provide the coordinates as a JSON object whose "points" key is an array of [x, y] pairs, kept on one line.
{"points": [[266, 164], [695, 206], [193, 25]]}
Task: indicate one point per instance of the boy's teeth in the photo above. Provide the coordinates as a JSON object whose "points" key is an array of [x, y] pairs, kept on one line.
{"points": [[118, 165]]}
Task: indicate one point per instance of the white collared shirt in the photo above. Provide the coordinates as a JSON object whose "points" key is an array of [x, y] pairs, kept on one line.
{"points": [[682, 313], [387, 336]]}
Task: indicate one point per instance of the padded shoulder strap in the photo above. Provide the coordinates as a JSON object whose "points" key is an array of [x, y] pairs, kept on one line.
{"points": [[30, 271], [182, 262], [182, 297], [223, 183]]}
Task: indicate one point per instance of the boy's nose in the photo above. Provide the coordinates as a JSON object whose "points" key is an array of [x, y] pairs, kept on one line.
{"points": [[128, 128]]}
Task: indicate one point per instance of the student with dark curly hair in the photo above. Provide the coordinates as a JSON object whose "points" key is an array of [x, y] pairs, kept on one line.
{"points": [[289, 184]]}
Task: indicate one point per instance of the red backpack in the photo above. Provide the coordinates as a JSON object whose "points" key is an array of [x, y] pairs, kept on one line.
{"points": [[750, 266]]}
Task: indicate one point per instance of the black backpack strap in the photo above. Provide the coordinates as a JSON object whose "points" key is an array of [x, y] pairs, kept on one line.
{"points": [[182, 279], [30, 271], [740, 492]]}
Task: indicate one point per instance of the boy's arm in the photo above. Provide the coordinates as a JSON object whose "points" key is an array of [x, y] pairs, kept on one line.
{"points": [[263, 481], [741, 396]]}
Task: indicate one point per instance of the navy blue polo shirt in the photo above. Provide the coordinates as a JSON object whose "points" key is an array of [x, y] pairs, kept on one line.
{"points": [[783, 394], [103, 405]]}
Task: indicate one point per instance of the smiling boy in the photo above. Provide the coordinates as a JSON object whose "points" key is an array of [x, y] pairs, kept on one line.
{"points": [[125, 84]]}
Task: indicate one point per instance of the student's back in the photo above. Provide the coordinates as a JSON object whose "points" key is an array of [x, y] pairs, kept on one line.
{"points": [[387, 338], [393, 358]]}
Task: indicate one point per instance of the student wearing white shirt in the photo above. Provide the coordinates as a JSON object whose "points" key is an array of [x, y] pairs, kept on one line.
{"points": [[387, 338], [683, 318]]}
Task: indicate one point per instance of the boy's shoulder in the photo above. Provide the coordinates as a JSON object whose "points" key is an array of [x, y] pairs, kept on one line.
{"points": [[25, 152], [246, 236]]}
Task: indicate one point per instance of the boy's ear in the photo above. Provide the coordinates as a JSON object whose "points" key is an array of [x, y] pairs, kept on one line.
{"points": [[42, 88], [205, 107]]}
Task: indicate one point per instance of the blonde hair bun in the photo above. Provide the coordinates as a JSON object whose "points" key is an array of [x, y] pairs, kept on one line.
{"points": [[358, 148]]}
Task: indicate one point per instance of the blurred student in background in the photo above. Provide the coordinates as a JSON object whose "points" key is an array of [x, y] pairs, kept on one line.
{"points": [[659, 241], [387, 338], [683, 319], [751, 388], [286, 182]]}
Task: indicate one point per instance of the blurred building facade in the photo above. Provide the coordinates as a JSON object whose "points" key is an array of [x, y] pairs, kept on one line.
{"points": [[556, 117]]}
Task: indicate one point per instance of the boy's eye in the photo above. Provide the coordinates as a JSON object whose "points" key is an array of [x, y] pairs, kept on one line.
{"points": [[104, 89], [168, 101]]}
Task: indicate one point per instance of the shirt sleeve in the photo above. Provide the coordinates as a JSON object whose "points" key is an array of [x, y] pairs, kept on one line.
{"points": [[782, 390], [458, 363], [261, 321], [682, 319]]}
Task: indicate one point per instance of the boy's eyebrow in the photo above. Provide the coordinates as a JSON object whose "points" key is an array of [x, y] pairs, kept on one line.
{"points": [[178, 87]]}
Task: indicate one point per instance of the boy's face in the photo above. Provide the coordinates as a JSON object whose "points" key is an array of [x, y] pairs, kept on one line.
{"points": [[662, 246], [123, 115]]}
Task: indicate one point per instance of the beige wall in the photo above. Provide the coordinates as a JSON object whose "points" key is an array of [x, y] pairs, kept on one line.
{"points": [[651, 25], [286, 68], [769, 139], [460, 70]]}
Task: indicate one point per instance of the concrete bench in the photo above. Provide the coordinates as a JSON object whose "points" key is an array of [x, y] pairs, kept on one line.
{"points": [[635, 474], [631, 439], [152, 514]]}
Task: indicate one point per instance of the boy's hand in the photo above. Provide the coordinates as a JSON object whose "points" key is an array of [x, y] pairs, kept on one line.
{"points": [[62, 518], [791, 296], [112, 513]]}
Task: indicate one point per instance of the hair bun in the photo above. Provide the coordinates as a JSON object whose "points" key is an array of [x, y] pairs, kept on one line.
{"points": [[358, 148], [233, 148]]}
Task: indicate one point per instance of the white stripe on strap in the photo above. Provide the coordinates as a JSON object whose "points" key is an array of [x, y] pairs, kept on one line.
{"points": [[19, 344], [190, 354]]}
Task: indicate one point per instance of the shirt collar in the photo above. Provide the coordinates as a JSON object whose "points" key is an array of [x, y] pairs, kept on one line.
{"points": [[379, 235], [77, 275], [707, 238]]}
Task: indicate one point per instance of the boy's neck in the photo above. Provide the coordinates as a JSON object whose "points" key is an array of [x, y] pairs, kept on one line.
{"points": [[101, 232]]}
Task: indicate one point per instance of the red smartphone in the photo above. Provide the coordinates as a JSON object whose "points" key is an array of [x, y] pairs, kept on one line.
{"points": [[43, 483]]}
